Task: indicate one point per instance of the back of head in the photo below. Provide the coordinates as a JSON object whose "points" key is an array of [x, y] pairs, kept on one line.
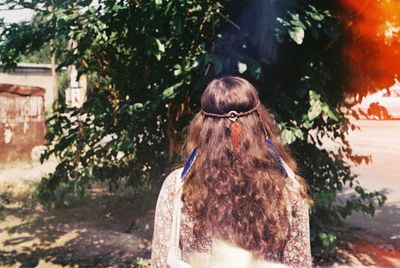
{"points": [[229, 94], [235, 190]]}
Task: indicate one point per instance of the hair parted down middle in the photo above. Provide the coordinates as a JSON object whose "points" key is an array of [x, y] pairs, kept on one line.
{"points": [[235, 189]]}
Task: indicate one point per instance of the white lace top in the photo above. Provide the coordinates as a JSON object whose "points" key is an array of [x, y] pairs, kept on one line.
{"points": [[297, 252]]}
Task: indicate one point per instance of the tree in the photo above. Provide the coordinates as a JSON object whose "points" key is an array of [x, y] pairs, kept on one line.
{"points": [[147, 63]]}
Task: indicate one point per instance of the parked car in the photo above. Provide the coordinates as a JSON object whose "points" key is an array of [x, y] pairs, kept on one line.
{"points": [[383, 104]]}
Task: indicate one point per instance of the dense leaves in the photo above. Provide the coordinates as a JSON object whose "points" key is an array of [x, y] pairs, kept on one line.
{"points": [[5, 199], [147, 63]]}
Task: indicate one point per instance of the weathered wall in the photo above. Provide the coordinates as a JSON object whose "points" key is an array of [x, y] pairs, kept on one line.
{"points": [[38, 75], [22, 125]]}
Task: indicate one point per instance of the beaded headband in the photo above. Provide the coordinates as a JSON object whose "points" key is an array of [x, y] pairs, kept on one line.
{"points": [[232, 115]]}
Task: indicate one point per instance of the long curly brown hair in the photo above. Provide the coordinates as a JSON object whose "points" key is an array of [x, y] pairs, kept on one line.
{"points": [[235, 189]]}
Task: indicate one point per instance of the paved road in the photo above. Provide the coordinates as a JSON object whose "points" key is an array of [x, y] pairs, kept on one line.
{"points": [[381, 140]]}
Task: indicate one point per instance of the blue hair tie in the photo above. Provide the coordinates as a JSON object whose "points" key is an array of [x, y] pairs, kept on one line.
{"points": [[189, 164], [278, 159]]}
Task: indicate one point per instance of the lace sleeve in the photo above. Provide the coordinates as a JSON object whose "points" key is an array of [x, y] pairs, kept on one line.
{"points": [[297, 252], [163, 222]]}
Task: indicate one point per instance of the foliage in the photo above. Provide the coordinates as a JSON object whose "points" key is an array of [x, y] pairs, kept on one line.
{"points": [[5, 199], [130, 52], [148, 62], [43, 55]]}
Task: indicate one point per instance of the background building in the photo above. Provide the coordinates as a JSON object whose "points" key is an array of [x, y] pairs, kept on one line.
{"points": [[33, 75]]}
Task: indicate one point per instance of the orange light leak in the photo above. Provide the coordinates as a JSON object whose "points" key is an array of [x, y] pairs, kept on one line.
{"points": [[373, 45]]}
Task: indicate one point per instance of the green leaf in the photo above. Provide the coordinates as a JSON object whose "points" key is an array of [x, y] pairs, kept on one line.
{"points": [[328, 240], [160, 45], [299, 133], [308, 124], [287, 136], [314, 95], [330, 113], [256, 71], [298, 23], [315, 105], [138, 106], [314, 111], [297, 34], [242, 67], [169, 92], [178, 69]]}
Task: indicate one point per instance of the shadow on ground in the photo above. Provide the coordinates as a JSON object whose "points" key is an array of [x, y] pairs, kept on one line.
{"points": [[385, 224], [89, 235], [373, 241]]}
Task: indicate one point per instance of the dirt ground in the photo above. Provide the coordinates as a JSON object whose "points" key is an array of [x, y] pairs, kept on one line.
{"points": [[91, 234], [94, 233], [362, 249]]}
